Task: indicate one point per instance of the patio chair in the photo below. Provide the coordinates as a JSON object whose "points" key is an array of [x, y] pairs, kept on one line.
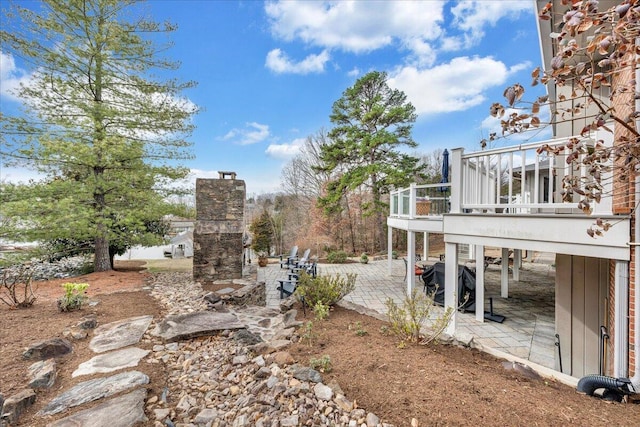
{"points": [[287, 287], [289, 260], [417, 269], [302, 261]]}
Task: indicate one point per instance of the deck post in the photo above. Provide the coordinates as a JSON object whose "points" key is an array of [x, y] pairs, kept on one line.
{"points": [[517, 264], [451, 284], [456, 180], [504, 276], [389, 250], [479, 283], [425, 246], [411, 261]]}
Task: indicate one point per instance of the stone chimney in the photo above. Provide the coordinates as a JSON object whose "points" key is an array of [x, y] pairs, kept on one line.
{"points": [[217, 238]]}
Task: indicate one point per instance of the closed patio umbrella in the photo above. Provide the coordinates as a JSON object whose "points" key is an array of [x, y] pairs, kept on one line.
{"points": [[445, 170]]}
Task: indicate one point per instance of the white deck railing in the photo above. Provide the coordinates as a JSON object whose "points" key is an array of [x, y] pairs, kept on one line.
{"points": [[517, 179]]}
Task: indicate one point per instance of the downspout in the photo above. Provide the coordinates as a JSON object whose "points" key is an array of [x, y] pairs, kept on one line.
{"points": [[635, 380]]}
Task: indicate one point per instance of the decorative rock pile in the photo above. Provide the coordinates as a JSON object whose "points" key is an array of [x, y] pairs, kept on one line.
{"points": [[43, 270], [241, 378]]}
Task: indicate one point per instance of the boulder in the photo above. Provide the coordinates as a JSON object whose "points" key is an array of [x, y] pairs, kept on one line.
{"points": [[48, 349], [15, 405], [191, 325], [42, 374]]}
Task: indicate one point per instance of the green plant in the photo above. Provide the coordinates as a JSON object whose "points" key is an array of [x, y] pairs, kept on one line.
{"points": [[407, 321], [325, 289], [337, 257], [73, 297], [308, 335], [321, 310], [364, 258], [322, 364], [359, 330], [262, 234]]}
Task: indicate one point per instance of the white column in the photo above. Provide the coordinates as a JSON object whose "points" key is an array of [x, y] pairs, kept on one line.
{"points": [[517, 263], [621, 302], [456, 180], [504, 276], [425, 246], [389, 250], [411, 260], [451, 284], [480, 283]]}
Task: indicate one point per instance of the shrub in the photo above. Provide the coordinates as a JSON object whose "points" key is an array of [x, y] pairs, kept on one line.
{"points": [[16, 288], [364, 258], [327, 290], [406, 321], [337, 257], [73, 297], [322, 364]]}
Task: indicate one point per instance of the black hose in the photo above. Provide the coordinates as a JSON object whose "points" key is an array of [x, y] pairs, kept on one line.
{"points": [[589, 384]]}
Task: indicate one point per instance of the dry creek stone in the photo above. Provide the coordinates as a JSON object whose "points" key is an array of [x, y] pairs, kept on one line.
{"points": [[121, 411], [95, 389], [119, 334], [192, 325], [113, 361]]}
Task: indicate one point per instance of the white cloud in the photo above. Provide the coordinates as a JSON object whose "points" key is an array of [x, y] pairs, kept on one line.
{"points": [[454, 86], [355, 72], [359, 26], [251, 134], [285, 151], [19, 175], [493, 124], [278, 62], [472, 17], [11, 76]]}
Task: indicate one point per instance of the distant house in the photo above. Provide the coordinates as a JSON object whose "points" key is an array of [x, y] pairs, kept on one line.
{"points": [[178, 224], [181, 246]]}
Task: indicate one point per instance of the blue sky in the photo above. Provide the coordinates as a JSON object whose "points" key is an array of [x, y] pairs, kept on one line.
{"points": [[269, 72]]}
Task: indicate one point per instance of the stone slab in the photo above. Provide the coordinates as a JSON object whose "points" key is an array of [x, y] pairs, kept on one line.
{"points": [[95, 389], [119, 334], [112, 361], [202, 323], [121, 411]]}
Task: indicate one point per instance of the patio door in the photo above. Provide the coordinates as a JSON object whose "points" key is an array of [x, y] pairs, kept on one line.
{"points": [[581, 300]]}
